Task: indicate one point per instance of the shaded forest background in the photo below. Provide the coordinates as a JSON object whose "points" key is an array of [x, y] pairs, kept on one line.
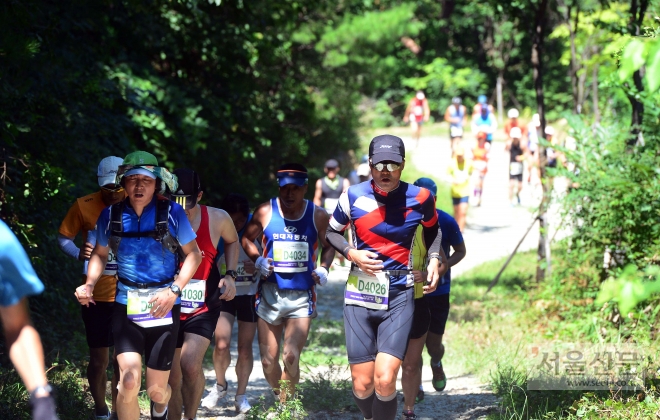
{"points": [[235, 88]]}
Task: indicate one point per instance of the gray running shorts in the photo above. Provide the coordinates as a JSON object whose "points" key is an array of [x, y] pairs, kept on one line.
{"points": [[275, 304]]}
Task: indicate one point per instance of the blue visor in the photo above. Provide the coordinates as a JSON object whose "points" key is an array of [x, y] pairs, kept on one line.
{"points": [[286, 177]]}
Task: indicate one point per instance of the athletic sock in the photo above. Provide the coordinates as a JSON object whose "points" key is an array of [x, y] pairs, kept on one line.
{"points": [[365, 404], [154, 413], [385, 408]]}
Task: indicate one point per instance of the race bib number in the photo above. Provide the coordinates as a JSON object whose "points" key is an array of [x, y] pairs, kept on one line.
{"points": [[111, 266], [455, 131], [418, 110], [290, 257], [371, 292], [242, 277], [515, 168], [460, 177], [480, 165], [138, 308], [192, 296], [330, 204]]}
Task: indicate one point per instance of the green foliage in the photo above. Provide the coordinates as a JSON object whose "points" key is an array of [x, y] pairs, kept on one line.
{"points": [[640, 52], [291, 409], [328, 389], [631, 287]]}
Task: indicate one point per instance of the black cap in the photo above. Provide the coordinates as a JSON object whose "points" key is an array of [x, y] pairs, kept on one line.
{"points": [[189, 187], [331, 163], [387, 148]]}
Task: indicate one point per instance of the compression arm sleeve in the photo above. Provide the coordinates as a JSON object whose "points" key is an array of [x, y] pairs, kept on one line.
{"points": [[433, 236], [67, 246], [338, 242]]}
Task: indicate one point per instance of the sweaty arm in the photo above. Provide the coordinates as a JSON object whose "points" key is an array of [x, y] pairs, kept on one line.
{"points": [[25, 349], [328, 252], [318, 192], [224, 228], [190, 264], [457, 255]]}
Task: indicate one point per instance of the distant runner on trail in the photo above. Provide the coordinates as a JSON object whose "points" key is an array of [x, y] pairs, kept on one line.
{"points": [[484, 121], [202, 296], [330, 187], [417, 113], [81, 219], [150, 236], [431, 311], [378, 301], [22, 342], [456, 116], [517, 152], [513, 121], [240, 308], [460, 170], [480, 161], [292, 228]]}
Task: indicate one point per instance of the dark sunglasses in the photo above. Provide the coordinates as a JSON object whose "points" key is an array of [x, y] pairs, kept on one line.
{"points": [[391, 166], [113, 188]]}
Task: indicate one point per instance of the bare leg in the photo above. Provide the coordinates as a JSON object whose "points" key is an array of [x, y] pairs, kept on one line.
{"points": [[435, 347], [296, 331], [269, 346], [175, 405], [462, 209], [115, 380], [411, 377], [221, 354], [192, 357], [130, 367], [246, 331], [97, 377], [158, 389]]}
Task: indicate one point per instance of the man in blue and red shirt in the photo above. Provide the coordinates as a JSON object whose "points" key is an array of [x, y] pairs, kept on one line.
{"points": [[378, 312]]}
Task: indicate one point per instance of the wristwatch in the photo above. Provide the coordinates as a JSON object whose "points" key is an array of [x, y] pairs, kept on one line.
{"points": [[175, 289], [231, 273]]}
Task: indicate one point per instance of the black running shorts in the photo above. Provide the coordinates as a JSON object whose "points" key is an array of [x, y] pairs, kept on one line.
{"points": [[98, 324], [371, 331], [202, 324], [241, 307], [439, 309], [157, 343], [421, 319]]}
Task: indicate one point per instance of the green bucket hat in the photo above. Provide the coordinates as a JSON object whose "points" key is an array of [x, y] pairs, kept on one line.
{"points": [[145, 161]]}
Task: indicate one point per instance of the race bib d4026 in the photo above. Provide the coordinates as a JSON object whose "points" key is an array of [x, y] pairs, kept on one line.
{"points": [[368, 291]]}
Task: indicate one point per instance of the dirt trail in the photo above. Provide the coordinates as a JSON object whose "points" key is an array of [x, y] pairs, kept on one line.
{"points": [[492, 232]]}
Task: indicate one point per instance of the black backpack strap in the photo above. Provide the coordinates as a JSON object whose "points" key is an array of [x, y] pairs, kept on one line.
{"points": [[168, 241], [116, 226]]}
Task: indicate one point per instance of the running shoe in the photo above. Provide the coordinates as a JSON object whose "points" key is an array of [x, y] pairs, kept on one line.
{"points": [[105, 416], [114, 416], [439, 381], [408, 415], [241, 403], [420, 396], [216, 394], [151, 411]]}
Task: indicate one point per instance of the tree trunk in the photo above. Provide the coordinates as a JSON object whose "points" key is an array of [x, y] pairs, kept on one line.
{"points": [[594, 91], [637, 12], [543, 252], [575, 67], [500, 105]]}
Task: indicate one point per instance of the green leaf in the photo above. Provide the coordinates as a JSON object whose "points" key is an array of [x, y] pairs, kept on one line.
{"points": [[653, 67], [632, 59]]}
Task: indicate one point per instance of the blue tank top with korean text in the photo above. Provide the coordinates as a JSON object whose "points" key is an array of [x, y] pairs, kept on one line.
{"points": [[292, 244]]}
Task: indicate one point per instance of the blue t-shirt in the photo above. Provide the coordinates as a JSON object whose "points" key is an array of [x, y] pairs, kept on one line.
{"points": [[17, 277], [144, 260], [451, 236]]}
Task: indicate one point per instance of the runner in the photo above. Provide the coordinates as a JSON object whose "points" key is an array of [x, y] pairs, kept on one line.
{"points": [[81, 218], [286, 300], [480, 162], [513, 121], [241, 307], [201, 298], [329, 188], [456, 116], [431, 311], [517, 152], [417, 113], [149, 236], [460, 169], [18, 281], [482, 102], [378, 308], [484, 121], [533, 145], [364, 170]]}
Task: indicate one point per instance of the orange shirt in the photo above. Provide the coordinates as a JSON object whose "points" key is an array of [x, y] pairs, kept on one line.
{"points": [[509, 125], [82, 217]]}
